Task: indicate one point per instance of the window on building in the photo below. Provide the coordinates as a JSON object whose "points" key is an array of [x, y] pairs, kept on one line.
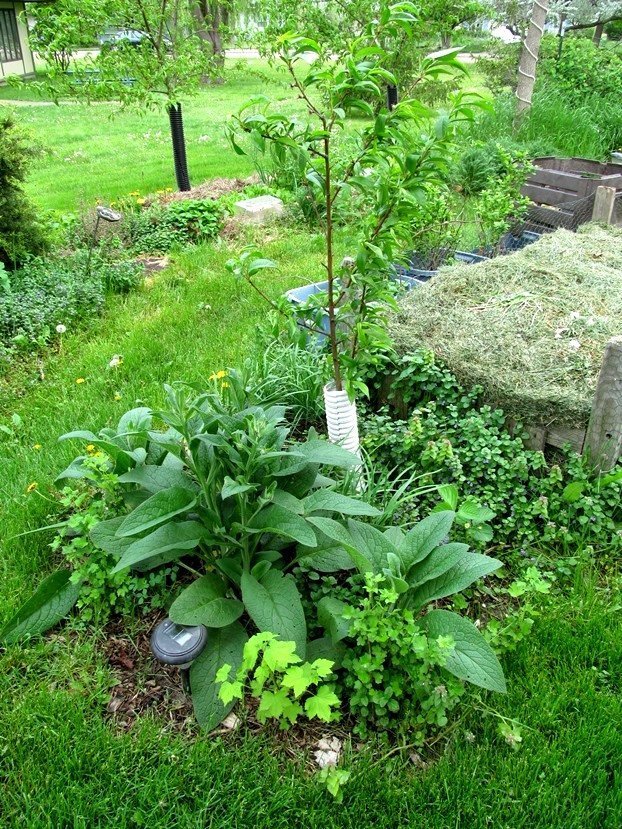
{"points": [[10, 48]]}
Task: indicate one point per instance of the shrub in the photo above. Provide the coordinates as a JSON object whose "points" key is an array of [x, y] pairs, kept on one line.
{"points": [[21, 232], [103, 592], [161, 227], [393, 672], [582, 68]]}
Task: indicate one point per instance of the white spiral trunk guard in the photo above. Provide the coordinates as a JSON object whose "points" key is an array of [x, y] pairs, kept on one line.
{"points": [[341, 419]]}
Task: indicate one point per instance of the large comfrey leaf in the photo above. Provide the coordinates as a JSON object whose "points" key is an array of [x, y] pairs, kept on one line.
{"points": [[123, 458], [330, 614], [164, 544], [325, 453], [277, 520], [372, 543], [438, 562], [204, 603], [224, 646], [325, 500], [104, 535], [50, 603], [155, 478], [333, 529], [425, 536], [156, 510], [472, 658], [327, 558], [274, 605], [471, 568]]}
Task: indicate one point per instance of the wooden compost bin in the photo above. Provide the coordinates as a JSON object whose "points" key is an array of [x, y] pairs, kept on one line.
{"points": [[563, 189]]}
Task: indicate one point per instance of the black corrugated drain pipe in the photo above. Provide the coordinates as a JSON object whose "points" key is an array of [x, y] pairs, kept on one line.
{"points": [[179, 146]]}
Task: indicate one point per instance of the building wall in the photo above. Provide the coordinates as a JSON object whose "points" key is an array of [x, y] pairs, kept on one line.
{"points": [[25, 66]]}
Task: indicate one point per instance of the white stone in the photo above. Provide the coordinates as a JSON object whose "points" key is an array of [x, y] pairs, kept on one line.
{"points": [[260, 209]]}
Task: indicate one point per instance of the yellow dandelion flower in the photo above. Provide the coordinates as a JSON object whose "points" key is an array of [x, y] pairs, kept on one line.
{"points": [[220, 374], [117, 396], [37, 446], [90, 448], [80, 380], [134, 193], [141, 201], [31, 487]]}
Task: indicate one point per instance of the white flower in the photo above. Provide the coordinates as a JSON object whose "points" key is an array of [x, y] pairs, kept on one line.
{"points": [[116, 361], [559, 333], [60, 328], [574, 345], [575, 315]]}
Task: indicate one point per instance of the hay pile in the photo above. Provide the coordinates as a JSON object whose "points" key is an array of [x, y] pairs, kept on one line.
{"points": [[530, 327]]}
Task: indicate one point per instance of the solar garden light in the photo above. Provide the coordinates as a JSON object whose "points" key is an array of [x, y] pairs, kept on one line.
{"points": [[178, 645], [106, 214]]}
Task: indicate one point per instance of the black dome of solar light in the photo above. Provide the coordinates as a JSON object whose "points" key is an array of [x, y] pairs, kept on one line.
{"points": [[176, 644]]}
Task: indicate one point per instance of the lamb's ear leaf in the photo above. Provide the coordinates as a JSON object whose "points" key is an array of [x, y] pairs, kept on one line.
{"points": [[50, 603], [472, 658], [224, 646]]}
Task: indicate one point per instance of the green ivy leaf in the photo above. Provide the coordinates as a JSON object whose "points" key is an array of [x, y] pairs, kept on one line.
{"points": [[321, 704]]}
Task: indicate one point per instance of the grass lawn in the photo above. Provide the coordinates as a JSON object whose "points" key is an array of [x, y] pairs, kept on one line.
{"points": [[62, 764], [97, 152]]}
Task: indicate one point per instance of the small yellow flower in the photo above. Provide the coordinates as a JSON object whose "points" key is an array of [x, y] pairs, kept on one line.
{"points": [[134, 193], [31, 487], [117, 396], [141, 201], [90, 448], [37, 446], [225, 385], [80, 380]]}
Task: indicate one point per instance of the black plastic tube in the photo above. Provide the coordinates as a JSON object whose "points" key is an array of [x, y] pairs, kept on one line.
{"points": [[179, 146]]}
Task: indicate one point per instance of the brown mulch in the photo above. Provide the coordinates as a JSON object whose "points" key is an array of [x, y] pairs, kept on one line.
{"points": [[144, 685], [212, 189]]}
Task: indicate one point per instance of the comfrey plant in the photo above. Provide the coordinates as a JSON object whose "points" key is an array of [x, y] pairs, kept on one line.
{"points": [[389, 167], [226, 495]]}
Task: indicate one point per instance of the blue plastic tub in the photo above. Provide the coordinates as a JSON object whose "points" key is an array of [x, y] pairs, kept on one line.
{"points": [[298, 296], [415, 272]]}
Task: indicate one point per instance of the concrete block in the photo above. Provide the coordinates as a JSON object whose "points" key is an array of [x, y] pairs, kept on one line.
{"points": [[260, 209]]}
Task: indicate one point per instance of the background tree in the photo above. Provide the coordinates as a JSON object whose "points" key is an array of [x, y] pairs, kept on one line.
{"points": [[63, 26], [529, 56], [167, 65]]}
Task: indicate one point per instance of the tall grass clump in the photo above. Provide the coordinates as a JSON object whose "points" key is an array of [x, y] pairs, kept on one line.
{"points": [[555, 125]]}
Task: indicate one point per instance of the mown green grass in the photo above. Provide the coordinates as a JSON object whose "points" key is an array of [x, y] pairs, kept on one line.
{"points": [[63, 766], [99, 152]]}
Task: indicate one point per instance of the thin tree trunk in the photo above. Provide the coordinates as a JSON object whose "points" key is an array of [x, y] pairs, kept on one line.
{"points": [[210, 18], [529, 57], [598, 33]]}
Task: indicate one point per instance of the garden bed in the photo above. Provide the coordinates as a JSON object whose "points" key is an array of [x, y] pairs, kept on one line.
{"points": [[531, 328]]}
